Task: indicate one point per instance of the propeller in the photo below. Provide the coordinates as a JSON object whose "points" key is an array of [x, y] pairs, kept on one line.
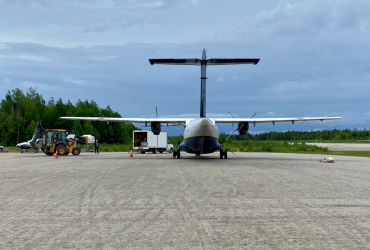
{"points": [[237, 128]]}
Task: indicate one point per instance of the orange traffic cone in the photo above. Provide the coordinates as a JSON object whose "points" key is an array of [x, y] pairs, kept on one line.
{"points": [[238, 150], [131, 155], [56, 154]]}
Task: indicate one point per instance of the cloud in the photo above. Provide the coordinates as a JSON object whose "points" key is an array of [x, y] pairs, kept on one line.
{"points": [[102, 58], [368, 113], [99, 28], [75, 81], [34, 58], [304, 18], [271, 113], [3, 46], [26, 85]]}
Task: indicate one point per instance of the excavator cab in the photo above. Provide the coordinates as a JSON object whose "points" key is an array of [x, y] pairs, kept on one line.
{"points": [[57, 135]]}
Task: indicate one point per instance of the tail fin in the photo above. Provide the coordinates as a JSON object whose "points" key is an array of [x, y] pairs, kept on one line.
{"points": [[203, 64]]}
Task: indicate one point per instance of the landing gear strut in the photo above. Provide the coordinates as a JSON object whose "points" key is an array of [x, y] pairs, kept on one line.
{"points": [[223, 154]]}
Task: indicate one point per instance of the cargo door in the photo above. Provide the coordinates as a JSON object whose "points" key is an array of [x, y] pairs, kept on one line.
{"points": [[162, 140], [140, 139]]}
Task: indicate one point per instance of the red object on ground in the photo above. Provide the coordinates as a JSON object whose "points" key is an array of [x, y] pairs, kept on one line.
{"points": [[6, 151], [56, 155], [131, 155]]}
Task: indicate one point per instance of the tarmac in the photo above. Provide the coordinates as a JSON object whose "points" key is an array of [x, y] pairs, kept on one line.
{"points": [[151, 201]]}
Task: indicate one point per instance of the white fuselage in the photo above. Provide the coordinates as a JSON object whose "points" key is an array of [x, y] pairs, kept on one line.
{"points": [[200, 136]]}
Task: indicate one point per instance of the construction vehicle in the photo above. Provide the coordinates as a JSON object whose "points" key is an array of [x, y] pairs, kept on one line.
{"points": [[55, 140]]}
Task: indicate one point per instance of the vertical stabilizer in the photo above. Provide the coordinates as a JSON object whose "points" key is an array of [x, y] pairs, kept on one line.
{"points": [[203, 84]]}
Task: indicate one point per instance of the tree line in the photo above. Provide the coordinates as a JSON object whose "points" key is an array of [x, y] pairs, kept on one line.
{"points": [[320, 135], [19, 113]]}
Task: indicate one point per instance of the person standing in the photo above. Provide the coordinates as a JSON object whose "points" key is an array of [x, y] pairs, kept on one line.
{"points": [[96, 147]]}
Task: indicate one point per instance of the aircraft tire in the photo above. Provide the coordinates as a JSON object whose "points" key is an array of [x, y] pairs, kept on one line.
{"points": [[142, 152], [178, 154], [225, 155], [221, 153]]}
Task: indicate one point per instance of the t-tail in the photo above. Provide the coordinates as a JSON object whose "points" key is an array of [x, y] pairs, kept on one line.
{"points": [[203, 63]]}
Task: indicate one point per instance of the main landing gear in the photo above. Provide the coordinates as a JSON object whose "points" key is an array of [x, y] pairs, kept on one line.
{"points": [[223, 154], [176, 154]]}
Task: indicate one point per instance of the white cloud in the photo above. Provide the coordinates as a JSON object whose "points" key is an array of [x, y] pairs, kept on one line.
{"points": [[220, 79], [39, 86], [3, 46], [75, 81], [34, 58], [103, 58]]}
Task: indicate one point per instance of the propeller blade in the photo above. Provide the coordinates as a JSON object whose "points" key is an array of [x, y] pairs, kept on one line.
{"points": [[254, 115], [231, 134], [250, 136], [231, 114]]}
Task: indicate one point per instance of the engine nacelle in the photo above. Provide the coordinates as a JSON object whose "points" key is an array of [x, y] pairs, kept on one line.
{"points": [[156, 127], [243, 128]]}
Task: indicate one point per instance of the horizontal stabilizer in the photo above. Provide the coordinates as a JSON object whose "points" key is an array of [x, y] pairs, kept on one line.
{"points": [[225, 61], [193, 61]]}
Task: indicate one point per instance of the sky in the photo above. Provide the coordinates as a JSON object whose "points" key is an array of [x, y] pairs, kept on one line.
{"points": [[315, 57]]}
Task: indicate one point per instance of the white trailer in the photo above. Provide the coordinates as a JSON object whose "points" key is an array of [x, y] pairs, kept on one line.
{"points": [[146, 141]]}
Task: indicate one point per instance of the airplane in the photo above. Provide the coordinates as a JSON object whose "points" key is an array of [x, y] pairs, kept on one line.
{"points": [[201, 134], [24, 145]]}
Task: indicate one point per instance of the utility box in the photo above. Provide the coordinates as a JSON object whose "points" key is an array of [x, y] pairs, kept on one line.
{"points": [[146, 141]]}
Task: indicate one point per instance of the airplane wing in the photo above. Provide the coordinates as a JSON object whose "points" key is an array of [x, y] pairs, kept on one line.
{"points": [[193, 61], [132, 120], [223, 61], [273, 120]]}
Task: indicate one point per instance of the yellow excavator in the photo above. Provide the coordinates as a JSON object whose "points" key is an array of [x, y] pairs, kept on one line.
{"points": [[56, 140]]}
